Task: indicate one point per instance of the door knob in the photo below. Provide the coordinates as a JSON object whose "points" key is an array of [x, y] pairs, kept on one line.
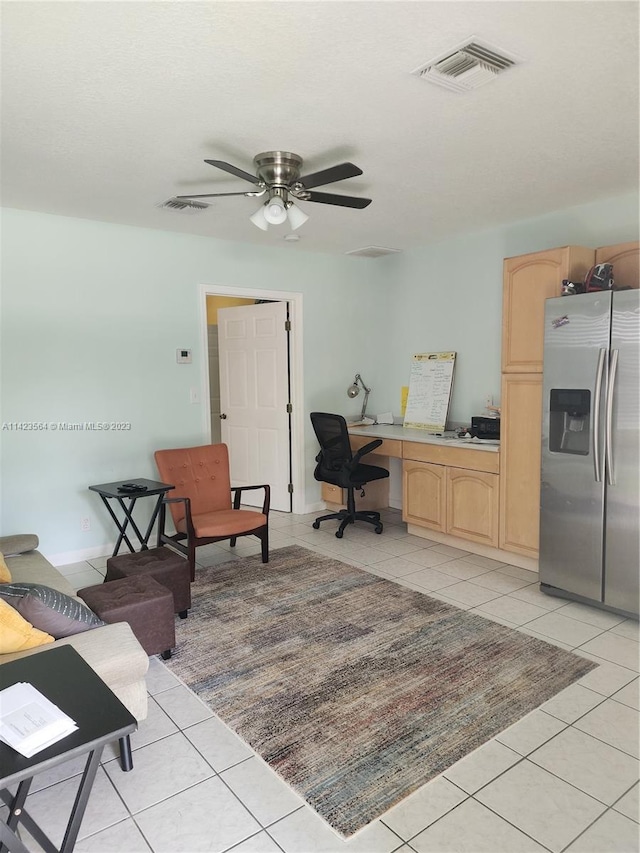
{"points": [[223, 417]]}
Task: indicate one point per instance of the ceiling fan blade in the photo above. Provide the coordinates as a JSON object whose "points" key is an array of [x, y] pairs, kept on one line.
{"points": [[233, 170], [248, 193], [341, 200], [329, 176]]}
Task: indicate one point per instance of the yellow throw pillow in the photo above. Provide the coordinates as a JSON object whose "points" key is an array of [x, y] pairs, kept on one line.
{"points": [[5, 574], [16, 634]]}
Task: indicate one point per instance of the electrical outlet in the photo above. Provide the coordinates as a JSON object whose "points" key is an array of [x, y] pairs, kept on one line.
{"points": [[85, 524], [194, 395], [489, 401]]}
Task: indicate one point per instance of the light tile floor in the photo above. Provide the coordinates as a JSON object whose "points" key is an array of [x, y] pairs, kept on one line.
{"points": [[563, 778]]}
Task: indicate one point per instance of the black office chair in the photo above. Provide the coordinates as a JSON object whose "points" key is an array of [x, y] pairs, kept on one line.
{"points": [[338, 466]]}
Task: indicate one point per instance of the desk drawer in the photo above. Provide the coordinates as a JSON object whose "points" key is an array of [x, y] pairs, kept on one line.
{"points": [[376, 495], [454, 457], [331, 494], [389, 446]]}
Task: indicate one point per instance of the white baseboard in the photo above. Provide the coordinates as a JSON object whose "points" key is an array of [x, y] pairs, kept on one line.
{"points": [[67, 557], [318, 506]]}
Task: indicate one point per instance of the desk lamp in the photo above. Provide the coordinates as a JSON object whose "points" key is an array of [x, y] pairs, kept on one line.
{"points": [[354, 390]]}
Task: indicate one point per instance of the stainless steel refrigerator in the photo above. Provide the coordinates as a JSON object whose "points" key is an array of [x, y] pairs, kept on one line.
{"points": [[590, 491]]}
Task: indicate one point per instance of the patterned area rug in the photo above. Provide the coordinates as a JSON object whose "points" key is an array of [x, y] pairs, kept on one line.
{"points": [[354, 689]]}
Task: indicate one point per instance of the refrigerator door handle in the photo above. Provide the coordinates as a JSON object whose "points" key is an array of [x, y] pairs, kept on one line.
{"points": [[608, 437], [597, 466]]}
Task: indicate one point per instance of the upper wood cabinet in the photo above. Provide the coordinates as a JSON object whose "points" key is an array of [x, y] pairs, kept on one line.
{"points": [[528, 281], [625, 258]]}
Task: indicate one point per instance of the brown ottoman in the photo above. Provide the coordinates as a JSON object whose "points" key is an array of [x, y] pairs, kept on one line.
{"points": [[161, 564], [142, 602]]}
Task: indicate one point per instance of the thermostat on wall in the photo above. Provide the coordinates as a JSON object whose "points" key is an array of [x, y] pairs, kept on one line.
{"points": [[183, 356]]}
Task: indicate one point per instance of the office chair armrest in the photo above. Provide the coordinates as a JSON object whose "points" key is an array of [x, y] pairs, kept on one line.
{"points": [[364, 450], [267, 496]]}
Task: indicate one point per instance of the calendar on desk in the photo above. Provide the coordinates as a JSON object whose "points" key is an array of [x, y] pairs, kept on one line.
{"points": [[430, 383]]}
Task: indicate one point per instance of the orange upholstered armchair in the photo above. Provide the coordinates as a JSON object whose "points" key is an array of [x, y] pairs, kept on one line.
{"points": [[201, 501]]}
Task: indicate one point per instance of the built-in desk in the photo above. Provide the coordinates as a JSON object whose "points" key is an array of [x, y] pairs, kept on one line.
{"points": [[450, 486], [395, 436]]}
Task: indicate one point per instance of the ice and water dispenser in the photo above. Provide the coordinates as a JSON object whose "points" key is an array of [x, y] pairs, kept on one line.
{"points": [[569, 421]]}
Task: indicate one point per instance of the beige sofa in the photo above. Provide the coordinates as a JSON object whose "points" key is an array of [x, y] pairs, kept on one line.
{"points": [[111, 650]]}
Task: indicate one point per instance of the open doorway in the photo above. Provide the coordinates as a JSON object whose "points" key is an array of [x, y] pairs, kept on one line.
{"points": [[218, 297]]}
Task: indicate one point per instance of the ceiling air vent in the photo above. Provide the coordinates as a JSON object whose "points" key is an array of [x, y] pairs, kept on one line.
{"points": [[182, 206], [471, 64], [372, 252]]}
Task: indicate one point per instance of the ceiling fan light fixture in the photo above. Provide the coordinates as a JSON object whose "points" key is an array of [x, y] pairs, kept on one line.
{"points": [[275, 211], [278, 175], [259, 219], [296, 216]]}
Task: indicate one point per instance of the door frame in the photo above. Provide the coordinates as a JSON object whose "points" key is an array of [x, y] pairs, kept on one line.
{"points": [[296, 374]]}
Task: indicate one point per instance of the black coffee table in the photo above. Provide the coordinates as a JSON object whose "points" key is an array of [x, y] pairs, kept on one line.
{"points": [[68, 681], [112, 491]]}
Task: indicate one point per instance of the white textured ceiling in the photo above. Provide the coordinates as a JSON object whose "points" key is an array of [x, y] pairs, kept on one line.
{"points": [[109, 108]]}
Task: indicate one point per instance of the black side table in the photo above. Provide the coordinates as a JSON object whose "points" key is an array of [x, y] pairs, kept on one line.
{"points": [[111, 491], [68, 681]]}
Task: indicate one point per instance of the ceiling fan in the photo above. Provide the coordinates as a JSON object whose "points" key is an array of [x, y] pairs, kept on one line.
{"points": [[278, 177]]}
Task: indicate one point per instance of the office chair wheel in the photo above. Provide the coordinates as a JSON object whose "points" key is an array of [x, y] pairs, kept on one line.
{"points": [[316, 525], [378, 529], [339, 534]]}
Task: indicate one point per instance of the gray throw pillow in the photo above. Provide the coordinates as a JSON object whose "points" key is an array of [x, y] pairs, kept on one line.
{"points": [[49, 610]]}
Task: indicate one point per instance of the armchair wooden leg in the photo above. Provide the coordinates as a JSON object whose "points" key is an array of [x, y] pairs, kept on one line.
{"points": [[232, 541], [264, 537]]}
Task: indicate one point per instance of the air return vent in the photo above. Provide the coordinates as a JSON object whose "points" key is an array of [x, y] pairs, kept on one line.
{"points": [[182, 206], [467, 66], [372, 252]]}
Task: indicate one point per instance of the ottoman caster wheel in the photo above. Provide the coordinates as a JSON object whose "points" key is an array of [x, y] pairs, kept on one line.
{"points": [[166, 654]]}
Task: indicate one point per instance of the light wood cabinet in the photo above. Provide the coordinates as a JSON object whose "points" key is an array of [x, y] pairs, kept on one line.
{"points": [[449, 494], [625, 258], [520, 442], [528, 281], [472, 505], [423, 494]]}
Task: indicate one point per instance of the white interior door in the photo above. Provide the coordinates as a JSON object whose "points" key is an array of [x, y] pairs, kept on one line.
{"points": [[254, 395]]}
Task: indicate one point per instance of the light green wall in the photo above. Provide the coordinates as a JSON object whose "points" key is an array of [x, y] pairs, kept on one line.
{"points": [[448, 296], [92, 314]]}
